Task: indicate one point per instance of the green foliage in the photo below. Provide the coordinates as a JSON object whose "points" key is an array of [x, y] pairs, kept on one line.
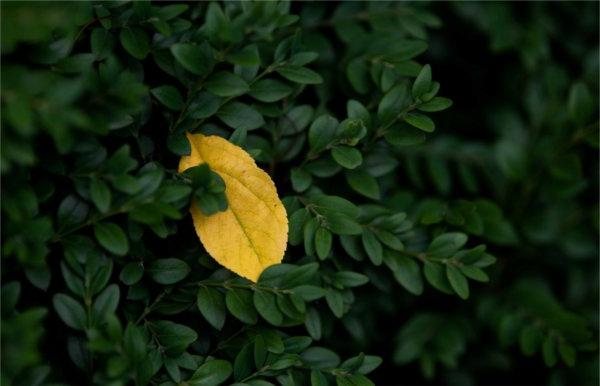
{"points": [[399, 213]]}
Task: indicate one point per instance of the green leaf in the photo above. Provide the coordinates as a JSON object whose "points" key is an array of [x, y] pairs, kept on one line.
{"points": [[168, 271], [101, 43], [320, 358], [372, 247], [204, 105], [131, 273], [420, 121], [269, 90], [406, 50], [301, 179], [436, 104], [168, 96], [173, 369], [211, 304], [549, 351], [135, 41], [70, 311], [107, 302], [363, 183], [436, 276], [445, 245], [10, 296], [198, 59], [134, 343], [323, 241], [357, 110], [300, 275], [350, 279], [211, 373], [358, 76], [567, 353], [267, 307], [208, 203], [241, 305], [403, 134], [175, 338], [335, 301], [396, 100], [422, 83], [341, 224], [240, 116], [321, 133], [296, 226], [530, 339], [580, 104], [318, 379], [299, 74], [226, 84], [406, 272], [347, 157], [169, 12], [178, 144], [112, 238], [312, 322], [100, 194], [309, 292], [474, 273], [217, 24], [389, 239], [353, 380], [244, 362], [247, 56], [512, 158], [71, 211], [309, 231], [458, 281]]}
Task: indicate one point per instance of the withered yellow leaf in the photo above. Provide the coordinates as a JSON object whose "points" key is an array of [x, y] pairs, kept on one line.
{"points": [[252, 233]]}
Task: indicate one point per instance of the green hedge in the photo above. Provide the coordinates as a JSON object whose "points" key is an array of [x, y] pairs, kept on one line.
{"points": [[398, 212]]}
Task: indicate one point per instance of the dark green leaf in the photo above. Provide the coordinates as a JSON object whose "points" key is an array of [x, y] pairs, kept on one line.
{"points": [[241, 305], [168, 271], [112, 238], [131, 273], [458, 281], [300, 75], [267, 307], [196, 59], [107, 302], [323, 241], [321, 133], [372, 247], [240, 116], [269, 90], [135, 41], [211, 304], [226, 84], [436, 104], [422, 83], [168, 96], [211, 373], [347, 157], [100, 194], [70, 311], [420, 121], [174, 338], [101, 42], [363, 183]]}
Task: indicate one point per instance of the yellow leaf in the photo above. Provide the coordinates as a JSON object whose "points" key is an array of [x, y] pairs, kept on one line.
{"points": [[252, 233]]}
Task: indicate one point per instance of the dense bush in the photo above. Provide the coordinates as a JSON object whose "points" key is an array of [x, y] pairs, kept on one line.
{"points": [[397, 211]]}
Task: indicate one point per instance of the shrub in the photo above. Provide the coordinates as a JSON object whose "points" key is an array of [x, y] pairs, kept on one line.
{"points": [[396, 210]]}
